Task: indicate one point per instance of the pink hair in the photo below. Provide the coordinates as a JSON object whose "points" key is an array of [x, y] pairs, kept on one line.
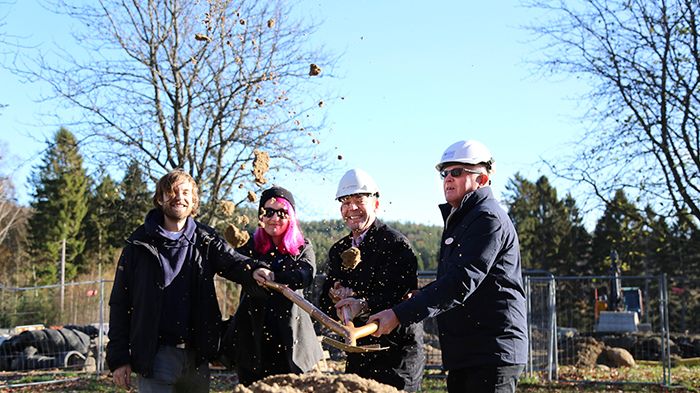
{"points": [[291, 242]]}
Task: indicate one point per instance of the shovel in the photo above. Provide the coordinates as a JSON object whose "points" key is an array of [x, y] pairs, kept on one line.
{"points": [[349, 332]]}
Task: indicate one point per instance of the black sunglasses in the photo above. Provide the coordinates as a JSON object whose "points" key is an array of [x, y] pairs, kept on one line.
{"points": [[457, 172], [269, 212]]}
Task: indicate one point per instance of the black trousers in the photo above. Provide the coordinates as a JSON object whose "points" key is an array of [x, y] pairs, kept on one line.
{"points": [[484, 379]]}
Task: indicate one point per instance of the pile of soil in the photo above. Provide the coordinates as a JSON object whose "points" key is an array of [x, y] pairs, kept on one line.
{"points": [[587, 351], [315, 382]]}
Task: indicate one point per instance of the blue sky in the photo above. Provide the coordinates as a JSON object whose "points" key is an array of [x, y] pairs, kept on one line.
{"points": [[415, 78]]}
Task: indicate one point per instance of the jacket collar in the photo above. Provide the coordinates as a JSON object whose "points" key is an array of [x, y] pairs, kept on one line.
{"points": [[372, 228], [468, 202]]}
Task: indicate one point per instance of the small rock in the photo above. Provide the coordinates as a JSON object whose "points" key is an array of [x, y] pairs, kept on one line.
{"points": [[619, 357]]}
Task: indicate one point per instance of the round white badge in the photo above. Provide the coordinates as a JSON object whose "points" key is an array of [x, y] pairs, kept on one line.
{"points": [[449, 241]]}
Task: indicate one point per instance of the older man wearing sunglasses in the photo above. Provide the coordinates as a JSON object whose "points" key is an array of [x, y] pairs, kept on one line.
{"points": [[478, 296]]}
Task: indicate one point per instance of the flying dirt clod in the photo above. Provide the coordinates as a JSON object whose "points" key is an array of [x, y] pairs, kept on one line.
{"points": [[235, 237], [351, 258]]}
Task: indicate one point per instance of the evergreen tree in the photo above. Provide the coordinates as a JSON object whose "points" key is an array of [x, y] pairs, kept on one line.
{"points": [[103, 208], [425, 240], [551, 233], [134, 203], [60, 204], [621, 228], [322, 235], [658, 252], [520, 199], [576, 245], [684, 248]]}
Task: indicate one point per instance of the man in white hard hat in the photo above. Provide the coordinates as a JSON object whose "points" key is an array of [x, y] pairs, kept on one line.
{"points": [[478, 296], [381, 273]]}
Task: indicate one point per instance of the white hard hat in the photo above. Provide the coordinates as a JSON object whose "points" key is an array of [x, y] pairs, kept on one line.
{"points": [[467, 152], [356, 181]]}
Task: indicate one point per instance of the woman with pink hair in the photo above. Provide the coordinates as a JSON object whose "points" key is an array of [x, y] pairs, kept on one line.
{"points": [[269, 334]]}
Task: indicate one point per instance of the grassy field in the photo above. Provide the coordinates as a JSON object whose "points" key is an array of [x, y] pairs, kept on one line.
{"points": [[685, 380]]}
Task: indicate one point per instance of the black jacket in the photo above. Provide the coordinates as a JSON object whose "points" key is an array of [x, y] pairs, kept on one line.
{"points": [[137, 296], [386, 273], [262, 310], [478, 295]]}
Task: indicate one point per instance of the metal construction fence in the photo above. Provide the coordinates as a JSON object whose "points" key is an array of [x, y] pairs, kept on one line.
{"points": [[574, 326], [61, 328], [65, 327]]}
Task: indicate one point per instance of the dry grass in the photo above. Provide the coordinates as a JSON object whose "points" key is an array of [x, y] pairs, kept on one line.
{"points": [[684, 379]]}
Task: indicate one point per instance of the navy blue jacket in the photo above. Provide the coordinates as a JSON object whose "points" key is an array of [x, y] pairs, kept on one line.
{"points": [[478, 295], [137, 297]]}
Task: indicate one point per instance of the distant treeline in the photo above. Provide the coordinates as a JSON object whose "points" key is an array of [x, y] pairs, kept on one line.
{"points": [[425, 239]]}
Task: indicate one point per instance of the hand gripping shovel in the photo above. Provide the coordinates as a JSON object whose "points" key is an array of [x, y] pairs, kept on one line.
{"points": [[349, 332]]}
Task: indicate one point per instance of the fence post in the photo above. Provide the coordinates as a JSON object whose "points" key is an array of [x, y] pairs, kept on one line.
{"points": [[553, 356], [100, 335], [665, 338], [63, 274], [528, 296]]}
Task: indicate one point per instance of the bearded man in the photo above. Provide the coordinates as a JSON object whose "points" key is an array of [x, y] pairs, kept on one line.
{"points": [[164, 320]]}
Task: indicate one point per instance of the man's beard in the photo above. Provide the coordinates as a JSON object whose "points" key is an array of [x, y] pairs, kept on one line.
{"points": [[176, 214]]}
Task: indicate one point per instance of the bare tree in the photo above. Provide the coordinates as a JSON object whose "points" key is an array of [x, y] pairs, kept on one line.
{"points": [[14, 261], [642, 61], [199, 85], [10, 211]]}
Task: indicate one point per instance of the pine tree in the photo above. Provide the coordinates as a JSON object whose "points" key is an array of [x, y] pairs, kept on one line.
{"points": [[576, 245], [684, 249], [521, 198], [101, 218], [134, 203], [59, 204], [622, 229], [550, 231]]}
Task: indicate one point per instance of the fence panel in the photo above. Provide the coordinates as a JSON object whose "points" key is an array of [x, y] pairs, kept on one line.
{"points": [[53, 328], [541, 319], [433, 353], [684, 310], [563, 317], [588, 322]]}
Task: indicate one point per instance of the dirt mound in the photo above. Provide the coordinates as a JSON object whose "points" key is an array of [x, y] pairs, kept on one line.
{"points": [[588, 349], [315, 382]]}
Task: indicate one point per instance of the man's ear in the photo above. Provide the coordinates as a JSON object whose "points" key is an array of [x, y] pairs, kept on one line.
{"points": [[482, 179]]}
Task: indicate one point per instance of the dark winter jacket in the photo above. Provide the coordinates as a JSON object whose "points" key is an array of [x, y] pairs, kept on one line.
{"points": [[385, 274], [137, 297], [478, 295], [294, 345]]}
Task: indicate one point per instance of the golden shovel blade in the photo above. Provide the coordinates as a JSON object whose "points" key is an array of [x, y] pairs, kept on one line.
{"points": [[353, 348]]}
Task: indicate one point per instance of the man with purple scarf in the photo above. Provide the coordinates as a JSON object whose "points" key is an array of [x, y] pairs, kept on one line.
{"points": [[164, 315]]}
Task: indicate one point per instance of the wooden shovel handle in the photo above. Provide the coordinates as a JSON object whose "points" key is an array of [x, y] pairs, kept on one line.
{"points": [[350, 333], [307, 306], [364, 330]]}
